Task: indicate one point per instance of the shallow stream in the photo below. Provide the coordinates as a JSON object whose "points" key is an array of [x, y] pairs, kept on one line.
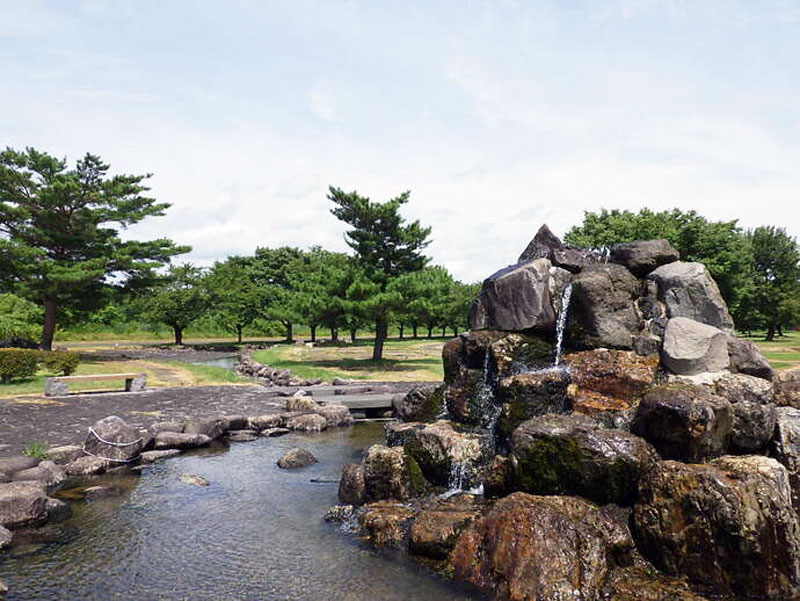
{"points": [[255, 534]]}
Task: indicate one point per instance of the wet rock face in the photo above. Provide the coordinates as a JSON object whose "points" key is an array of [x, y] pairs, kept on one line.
{"points": [[352, 487], [436, 528], [463, 396], [643, 256], [421, 403], [754, 414], [439, 448], [111, 438], [785, 447], [643, 584], [747, 359], [728, 525], [524, 396], [691, 347], [516, 299], [603, 312], [688, 290], [787, 388], [385, 474], [385, 524], [684, 422], [569, 454], [563, 550]]}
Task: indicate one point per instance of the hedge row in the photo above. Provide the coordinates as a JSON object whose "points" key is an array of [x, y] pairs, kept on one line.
{"points": [[24, 363]]}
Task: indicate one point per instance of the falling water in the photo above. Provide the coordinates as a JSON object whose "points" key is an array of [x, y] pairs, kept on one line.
{"points": [[561, 323]]}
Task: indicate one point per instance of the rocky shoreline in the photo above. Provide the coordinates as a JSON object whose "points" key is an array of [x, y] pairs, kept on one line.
{"points": [[660, 459]]}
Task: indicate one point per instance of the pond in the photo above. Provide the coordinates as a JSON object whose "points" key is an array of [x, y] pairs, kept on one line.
{"points": [[224, 362], [255, 534]]}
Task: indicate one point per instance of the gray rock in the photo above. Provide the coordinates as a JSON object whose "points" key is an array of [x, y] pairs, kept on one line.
{"points": [[603, 311], [274, 432], [340, 382], [643, 256], [112, 439], [11, 465], [5, 538], [47, 472], [4, 477], [22, 504], [180, 440], [307, 422], [213, 427], [684, 422], [688, 290], [397, 433], [743, 388], [171, 426], [87, 466], [302, 404], [747, 359], [352, 487], [153, 456], [691, 347], [57, 510], [335, 415], [193, 480], [64, 454], [527, 395], [785, 447], [443, 453], [237, 422], [728, 525], [296, 458], [753, 411], [421, 403], [546, 245], [242, 435], [541, 247], [571, 455], [516, 298], [264, 422], [787, 388]]}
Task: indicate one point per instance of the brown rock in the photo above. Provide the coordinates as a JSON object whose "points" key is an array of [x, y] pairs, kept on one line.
{"points": [[439, 447], [617, 374], [385, 474], [385, 524], [787, 388], [437, 526], [352, 487], [295, 458], [641, 584]]}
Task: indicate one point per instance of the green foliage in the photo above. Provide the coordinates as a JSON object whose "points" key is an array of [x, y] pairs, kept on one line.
{"points": [[18, 364], [63, 363], [19, 318], [235, 298], [180, 299], [386, 247], [36, 449], [721, 245], [59, 241]]}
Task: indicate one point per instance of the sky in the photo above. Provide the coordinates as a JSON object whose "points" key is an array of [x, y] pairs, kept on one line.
{"points": [[497, 116]]}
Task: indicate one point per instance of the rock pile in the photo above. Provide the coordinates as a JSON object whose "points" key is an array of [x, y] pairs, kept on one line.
{"points": [[659, 460], [270, 376]]}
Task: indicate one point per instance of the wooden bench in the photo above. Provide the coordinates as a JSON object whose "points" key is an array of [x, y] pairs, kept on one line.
{"points": [[59, 385]]}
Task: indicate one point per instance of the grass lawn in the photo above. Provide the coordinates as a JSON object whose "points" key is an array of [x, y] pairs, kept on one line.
{"points": [[783, 352], [166, 373], [404, 360]]}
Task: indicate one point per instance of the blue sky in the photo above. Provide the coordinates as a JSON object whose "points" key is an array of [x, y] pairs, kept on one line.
{"points": [[498, 116]]}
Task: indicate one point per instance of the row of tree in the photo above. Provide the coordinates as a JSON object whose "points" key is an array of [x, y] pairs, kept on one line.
{"points": [[757, 270]]}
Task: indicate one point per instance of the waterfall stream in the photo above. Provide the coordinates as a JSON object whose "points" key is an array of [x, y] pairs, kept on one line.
{"points": [[561, 322]]}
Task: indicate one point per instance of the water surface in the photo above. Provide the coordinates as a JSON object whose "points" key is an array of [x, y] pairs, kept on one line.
{"points": [[256, 533]]}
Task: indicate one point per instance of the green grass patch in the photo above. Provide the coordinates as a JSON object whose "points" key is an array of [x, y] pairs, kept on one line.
{"points": [[209, 374], [311, 370]]}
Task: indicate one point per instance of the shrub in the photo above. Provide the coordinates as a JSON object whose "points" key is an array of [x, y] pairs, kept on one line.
{"points": [[36, 449], [63, 363], [18, 363]]}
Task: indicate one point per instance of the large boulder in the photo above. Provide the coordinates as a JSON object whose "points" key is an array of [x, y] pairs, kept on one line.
{"points": [[446, 456], [527, 395], [546, 245], [296, 458], [728, 525], [467, 394], [747, 359], [385, 474], [307, 422], [213, 427], [516, 298], [602, 309], [785, 447], [643, 256], [47, 472], [787, 388], [539, 548], [570, 454], [684, 422], [114, 440], [352, 486], [385, 523], [691, 347], [437, 527], [12, 465], [335, 415], [753, 411], [688, 290], [515, 352], [22, 504], [422, 403]]}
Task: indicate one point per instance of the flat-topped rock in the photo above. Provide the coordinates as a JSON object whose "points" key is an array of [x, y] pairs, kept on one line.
{"points": [[643, 256], [691, 347], [22, 504]]}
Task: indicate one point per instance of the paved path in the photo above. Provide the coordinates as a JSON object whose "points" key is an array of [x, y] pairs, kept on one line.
{"points": [[65, 420]]}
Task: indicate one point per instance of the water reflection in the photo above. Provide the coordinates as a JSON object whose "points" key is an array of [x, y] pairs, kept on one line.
{"points": [[254, 534]]}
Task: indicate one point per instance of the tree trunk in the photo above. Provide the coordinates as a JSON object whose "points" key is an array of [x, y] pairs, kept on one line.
{"points": [[49, 326], [239, 334], [414, 330], [313, 333], [334, 334], [770, 333], [430, 332], [353, 334], [178, 335], [455, 332], [289, 331], [780, 330], [401, 328], [381, 331]]}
